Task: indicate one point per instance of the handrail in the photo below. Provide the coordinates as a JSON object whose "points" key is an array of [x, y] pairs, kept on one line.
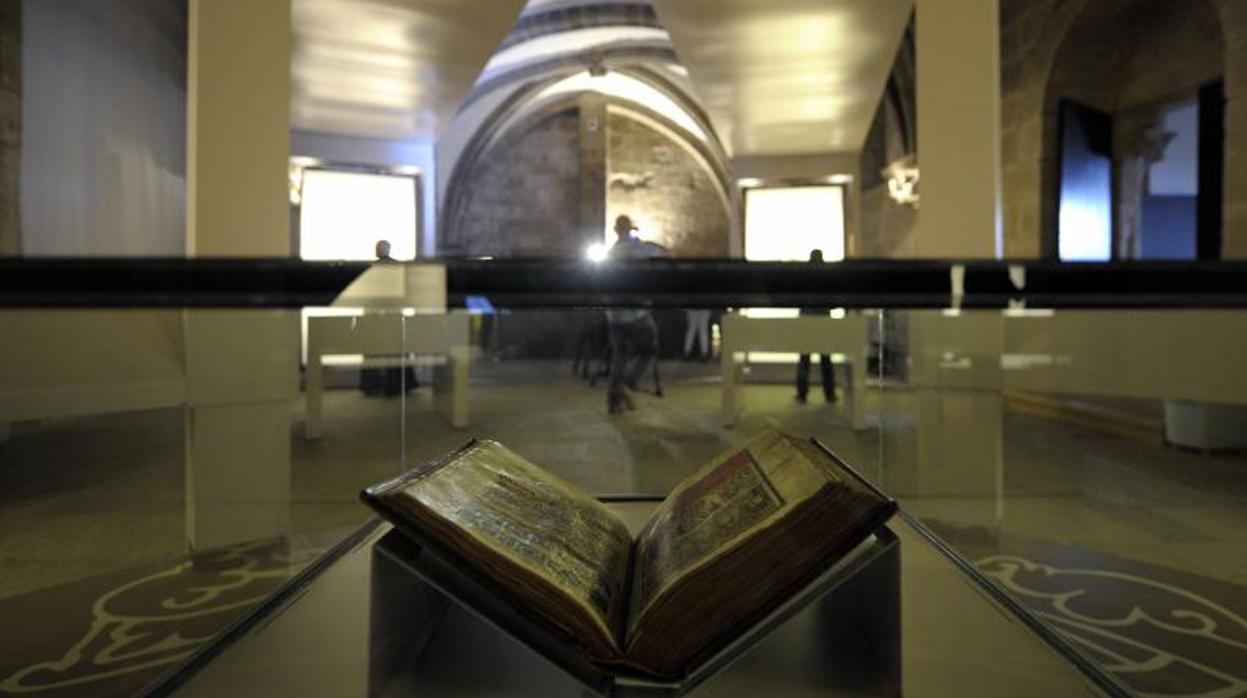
{"points": [[671, 283]]}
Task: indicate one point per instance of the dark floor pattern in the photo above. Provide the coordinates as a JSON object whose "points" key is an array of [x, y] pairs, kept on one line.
{"points": [[1160, 631], [113, 634]]}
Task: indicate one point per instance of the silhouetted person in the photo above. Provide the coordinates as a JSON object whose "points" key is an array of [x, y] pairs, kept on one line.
{"points": [[382, 250], [824, 358], [395, 380]]}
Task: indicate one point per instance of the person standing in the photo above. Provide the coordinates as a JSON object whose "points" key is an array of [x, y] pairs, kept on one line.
{"points": [[824, 358], [392, 381], [699, 330], [633, 334]]}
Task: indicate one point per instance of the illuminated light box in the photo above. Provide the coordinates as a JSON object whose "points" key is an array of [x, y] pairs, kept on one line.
{"points": [[344, 214], [783, 224]]}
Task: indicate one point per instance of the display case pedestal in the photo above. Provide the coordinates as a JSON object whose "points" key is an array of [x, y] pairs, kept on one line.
{"points": [[423, 609]]}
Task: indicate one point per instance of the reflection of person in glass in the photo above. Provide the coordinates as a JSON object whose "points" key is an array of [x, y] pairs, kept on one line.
{"points": [[697, 328], [395, 380], [633, 334], [824, 359]]}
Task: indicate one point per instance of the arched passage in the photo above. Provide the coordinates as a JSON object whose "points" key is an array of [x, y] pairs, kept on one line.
{"points": [[1124, 58], [1132, 61]]}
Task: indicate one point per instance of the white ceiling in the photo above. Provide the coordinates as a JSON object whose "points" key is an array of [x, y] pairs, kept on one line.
{"points": [[390, 68], [777, 77], [788, 76]]}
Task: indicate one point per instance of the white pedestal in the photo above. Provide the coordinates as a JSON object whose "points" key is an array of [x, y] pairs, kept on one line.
{"points": [[805, 335], [392, 334], [241, 369], [1205, 426]]}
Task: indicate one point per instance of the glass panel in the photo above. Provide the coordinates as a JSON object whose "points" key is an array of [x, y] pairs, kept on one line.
{"points": [[948, 628], [164, 471], [1091, 464], [540, 380]]}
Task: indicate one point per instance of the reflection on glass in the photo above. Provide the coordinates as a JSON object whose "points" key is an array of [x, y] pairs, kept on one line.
{"points": [[1089, 462]]}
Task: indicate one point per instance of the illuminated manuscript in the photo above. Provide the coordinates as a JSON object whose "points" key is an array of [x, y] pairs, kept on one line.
{"points": [[727, 546]]}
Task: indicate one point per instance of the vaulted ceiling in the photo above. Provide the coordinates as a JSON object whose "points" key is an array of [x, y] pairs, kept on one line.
{"points": [[390, 68], [775, 76], [788, 76]]}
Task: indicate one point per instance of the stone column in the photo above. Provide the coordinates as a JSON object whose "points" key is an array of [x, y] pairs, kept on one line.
{"points": [[958, 66], [593, 167], [241, 366], [10, 126], [1140, 143]]}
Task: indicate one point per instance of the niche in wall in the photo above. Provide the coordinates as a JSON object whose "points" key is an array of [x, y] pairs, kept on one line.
{"points": [[1133, 114]]}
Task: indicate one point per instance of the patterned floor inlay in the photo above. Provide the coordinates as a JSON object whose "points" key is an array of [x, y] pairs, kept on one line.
{"points": [[1160, 631], [113, 634]]}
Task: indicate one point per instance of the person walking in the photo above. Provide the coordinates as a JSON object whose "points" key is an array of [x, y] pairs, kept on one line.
{"points": [[633, 334]]}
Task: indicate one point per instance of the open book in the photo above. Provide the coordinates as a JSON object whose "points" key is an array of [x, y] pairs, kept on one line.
{"points": [[728, 545]]}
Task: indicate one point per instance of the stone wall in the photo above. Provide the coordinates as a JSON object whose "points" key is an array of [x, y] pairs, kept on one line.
{"points": [[665, 188], [523, 196], [551, 187], [1117, 56], [886, 228], [10, 125]]}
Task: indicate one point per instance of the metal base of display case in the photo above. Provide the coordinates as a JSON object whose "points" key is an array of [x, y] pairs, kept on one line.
{"points": [[838, 635]]}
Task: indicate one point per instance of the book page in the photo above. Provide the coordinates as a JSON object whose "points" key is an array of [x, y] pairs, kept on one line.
{"points": [[536, 521], [715, 509]]}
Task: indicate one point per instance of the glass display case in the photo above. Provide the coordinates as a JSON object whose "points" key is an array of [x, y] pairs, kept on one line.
{"points": [[184, 444]]}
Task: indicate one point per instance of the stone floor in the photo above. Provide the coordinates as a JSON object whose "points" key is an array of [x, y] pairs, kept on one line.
{"points": [[85, 498]]}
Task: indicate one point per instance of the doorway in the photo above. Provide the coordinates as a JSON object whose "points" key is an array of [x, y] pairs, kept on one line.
{"points": [[1143, 184], [1085, 204]]}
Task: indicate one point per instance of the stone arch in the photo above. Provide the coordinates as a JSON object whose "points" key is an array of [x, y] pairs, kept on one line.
{"points": [[546, 138], [1116, 88], [522, 112], [1043, 43], [629, 63], [687, 209]]}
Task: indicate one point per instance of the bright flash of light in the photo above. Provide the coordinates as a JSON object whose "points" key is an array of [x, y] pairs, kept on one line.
{"points": [[596, 253]]}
